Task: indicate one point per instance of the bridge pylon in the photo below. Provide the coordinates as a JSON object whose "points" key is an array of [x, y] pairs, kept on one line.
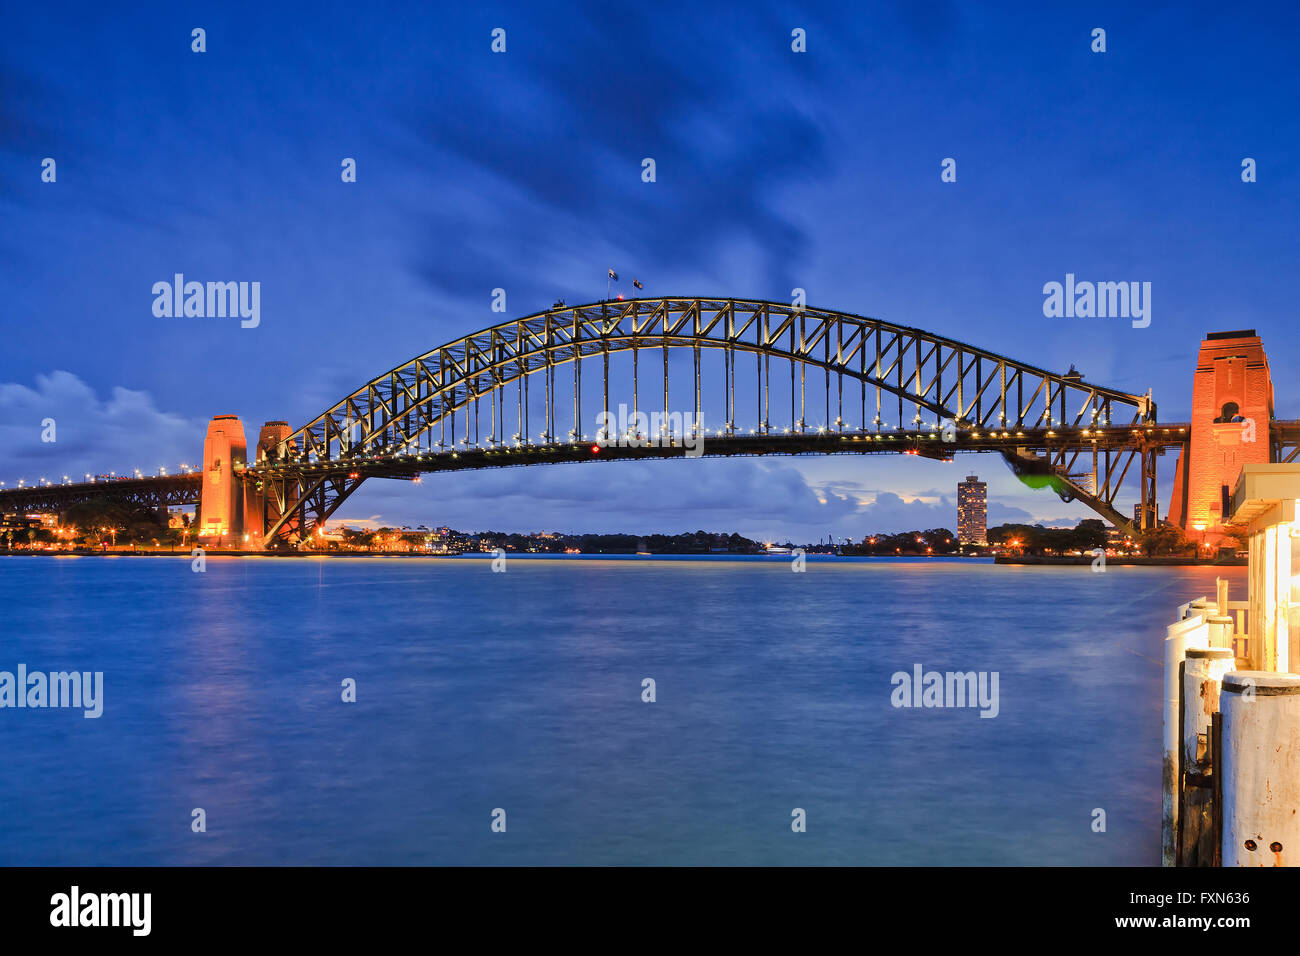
{"points": [[221, 506], [261, 510], [1231, 425]]}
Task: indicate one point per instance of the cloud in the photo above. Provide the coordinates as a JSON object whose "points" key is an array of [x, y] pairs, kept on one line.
{"points": [[891, 513], [669, 496], [552, 137], [1009, 514], [124, 431], [25, 136]]}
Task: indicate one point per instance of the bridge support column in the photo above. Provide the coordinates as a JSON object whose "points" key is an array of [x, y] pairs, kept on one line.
{"points": [[260, 504], [1232, 407], [222, 503]]}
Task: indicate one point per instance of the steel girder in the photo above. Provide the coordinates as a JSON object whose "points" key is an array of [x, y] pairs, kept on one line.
{"points": [[951, 380], [903, 376], [154, 492]]}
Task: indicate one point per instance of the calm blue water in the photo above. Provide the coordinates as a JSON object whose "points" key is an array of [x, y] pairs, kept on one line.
{"points": [[522, 690]]}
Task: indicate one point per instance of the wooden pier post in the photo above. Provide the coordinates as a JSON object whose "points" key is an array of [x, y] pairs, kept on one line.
{"points": [[1203, 670], [1189, 632], [1260, 768], [1220, 631]]}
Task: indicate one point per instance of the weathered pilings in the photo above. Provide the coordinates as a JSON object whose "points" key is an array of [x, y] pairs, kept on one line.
{"points": [[1192, 631], [1203, 670], [1260, 768], [1220, 630]]}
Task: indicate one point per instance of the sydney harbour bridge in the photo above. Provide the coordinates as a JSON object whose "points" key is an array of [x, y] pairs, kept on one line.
{"points": [[747, 377]]}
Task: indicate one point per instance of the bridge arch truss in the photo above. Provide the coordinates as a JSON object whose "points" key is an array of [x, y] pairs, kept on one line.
{"points": [[867, 377]]}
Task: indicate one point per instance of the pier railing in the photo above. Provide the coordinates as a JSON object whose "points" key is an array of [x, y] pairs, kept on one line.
{"points": [[1241, 641]]}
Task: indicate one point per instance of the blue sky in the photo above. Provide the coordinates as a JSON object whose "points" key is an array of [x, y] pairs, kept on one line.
{"points": [[521, 170]]}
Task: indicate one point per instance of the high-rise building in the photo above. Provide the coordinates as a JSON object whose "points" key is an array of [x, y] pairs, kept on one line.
{"points": [[1137, 515], [972, 511]]}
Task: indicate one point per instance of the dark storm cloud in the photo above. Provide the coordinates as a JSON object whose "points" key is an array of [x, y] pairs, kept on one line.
{"points": [[562, 129], [27, 133]]}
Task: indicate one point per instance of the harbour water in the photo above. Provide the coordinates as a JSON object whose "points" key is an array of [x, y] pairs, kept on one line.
{"points": [[522, 691]]}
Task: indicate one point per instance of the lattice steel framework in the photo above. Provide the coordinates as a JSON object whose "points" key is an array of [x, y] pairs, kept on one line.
{"points": [[905, 379], [396, 409], [155, 493]]}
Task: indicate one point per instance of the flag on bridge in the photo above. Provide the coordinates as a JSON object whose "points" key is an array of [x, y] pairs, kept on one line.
{"points": [[613, 275], [637, 283]]}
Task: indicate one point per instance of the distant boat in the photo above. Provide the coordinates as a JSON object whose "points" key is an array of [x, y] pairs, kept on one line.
{"points": [[640, 548], [773, 549]]}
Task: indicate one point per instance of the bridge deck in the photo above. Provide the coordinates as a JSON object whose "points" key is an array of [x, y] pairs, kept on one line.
{"points": [[185, 489], [926, 444]]}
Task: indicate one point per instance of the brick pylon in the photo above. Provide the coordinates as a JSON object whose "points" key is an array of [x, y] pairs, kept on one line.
{"points": [[1232, 405]]}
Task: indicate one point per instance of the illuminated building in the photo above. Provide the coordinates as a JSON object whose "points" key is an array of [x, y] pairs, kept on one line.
{"points": [[972, 511]]}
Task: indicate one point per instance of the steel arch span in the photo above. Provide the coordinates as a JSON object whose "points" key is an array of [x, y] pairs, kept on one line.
{"points": [[871, 380]]}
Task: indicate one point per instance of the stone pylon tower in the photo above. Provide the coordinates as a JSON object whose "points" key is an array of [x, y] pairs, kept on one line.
{"points": [[1232, 405], [221, 509], [258, 509]]}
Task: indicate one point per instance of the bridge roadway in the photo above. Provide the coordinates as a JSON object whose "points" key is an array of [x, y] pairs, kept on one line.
{"points": [[154, 492], [926, 444], [1066, 453], [184, 489]]}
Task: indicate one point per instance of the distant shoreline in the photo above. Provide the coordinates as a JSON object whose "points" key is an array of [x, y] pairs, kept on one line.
{"points": [[1158, 562], [558, 555], [1065, 560]]}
